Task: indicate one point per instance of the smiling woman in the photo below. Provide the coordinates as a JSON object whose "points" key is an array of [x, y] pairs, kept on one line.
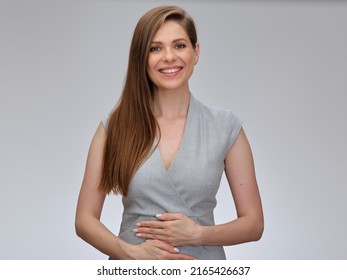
{"points": [[172, 58], [165, 153]]}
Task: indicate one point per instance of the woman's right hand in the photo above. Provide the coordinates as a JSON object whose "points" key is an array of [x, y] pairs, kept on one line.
{"points": [[155, 250]]}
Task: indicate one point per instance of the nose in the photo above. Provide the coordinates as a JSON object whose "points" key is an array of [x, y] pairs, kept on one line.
{"points": [[169, 55]]}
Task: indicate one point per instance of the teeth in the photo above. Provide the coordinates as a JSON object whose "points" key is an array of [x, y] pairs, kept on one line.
{"points": [[170, 71]]}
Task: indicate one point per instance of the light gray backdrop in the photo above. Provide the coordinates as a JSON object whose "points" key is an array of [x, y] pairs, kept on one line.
{"points": [[281, 66]]}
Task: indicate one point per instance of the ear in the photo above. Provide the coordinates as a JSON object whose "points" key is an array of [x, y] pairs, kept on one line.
{"points": [[197, 52]]}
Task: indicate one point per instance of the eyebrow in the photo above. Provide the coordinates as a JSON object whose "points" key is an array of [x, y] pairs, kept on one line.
{"points": [[174, 41]]}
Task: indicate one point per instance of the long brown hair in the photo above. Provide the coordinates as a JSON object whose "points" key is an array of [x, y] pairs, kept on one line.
{"points": [[132, 126]]}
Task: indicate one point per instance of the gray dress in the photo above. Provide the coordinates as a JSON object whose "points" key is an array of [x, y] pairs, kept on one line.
{"points": [[190, 185]]}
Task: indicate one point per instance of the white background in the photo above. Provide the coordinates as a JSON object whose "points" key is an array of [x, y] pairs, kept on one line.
{"points": [[281, 66]]}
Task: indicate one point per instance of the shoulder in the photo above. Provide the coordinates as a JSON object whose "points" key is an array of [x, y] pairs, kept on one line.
{"points": [[216, 115], [104, 122], [220, 122], [105, 119]]}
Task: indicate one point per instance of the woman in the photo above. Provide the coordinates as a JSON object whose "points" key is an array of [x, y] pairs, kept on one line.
{"points": [[165, 153]]}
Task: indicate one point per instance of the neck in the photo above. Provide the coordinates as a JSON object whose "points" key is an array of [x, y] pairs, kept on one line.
{"points": [[171, 104]]}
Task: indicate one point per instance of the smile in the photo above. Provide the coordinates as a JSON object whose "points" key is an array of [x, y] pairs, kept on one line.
{"points": [[170, 71]]}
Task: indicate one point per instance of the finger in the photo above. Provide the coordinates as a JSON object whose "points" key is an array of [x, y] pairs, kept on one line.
{"points": [[163, 246], [147, 233], [146, 230], [150, 224], [170, 216], [171, 252], [149, 236], [182, 257], [153, 237]]}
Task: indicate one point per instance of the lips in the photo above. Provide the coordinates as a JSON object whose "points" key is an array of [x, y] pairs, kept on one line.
{"points": [[171, 70]]}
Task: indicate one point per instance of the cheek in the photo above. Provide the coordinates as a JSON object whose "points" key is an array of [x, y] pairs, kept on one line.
{"points": [[190, 59], [151, 62], [149, 66], [149, 69]]}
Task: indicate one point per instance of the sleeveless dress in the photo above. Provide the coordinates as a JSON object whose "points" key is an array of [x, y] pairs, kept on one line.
{"points": [[190, 185]]}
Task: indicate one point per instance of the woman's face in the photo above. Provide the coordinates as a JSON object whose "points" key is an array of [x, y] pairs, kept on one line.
{"points": [[172, 58]]}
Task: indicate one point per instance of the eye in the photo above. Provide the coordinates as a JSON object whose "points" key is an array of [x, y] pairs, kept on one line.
{"points": [[180, 46], [155, 49]]}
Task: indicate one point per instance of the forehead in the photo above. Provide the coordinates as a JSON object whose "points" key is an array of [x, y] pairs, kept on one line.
{"points": [[169, 31]]}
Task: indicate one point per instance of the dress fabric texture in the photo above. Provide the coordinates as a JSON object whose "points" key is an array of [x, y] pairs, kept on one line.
{"points": [[190, 184]]}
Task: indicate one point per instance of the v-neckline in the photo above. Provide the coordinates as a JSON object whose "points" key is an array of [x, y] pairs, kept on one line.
{"points": [[181, 144]]}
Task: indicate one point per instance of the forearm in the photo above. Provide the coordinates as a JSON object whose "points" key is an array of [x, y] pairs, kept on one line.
{"points": [[96, 234], [241, 230]]}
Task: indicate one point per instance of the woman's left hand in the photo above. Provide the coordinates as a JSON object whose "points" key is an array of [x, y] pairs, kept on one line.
{"points": [[173, 228]]}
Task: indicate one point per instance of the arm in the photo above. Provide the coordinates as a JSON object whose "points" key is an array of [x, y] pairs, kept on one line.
{"points": [[90, 202], [249, 225], [179, 230]]}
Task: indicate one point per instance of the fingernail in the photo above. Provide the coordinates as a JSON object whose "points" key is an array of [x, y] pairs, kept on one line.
{"points": [[135, 230], [176, 250], [139, 234], [158, 215], [138, 224]]}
